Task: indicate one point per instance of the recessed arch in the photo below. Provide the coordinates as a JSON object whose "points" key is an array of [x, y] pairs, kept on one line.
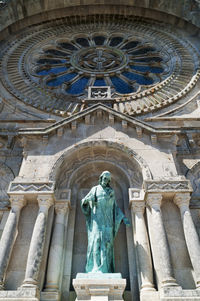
{"points": [[93, 151]]}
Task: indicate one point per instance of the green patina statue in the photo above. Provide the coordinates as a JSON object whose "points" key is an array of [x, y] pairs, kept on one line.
{"points": [[103, 218]]}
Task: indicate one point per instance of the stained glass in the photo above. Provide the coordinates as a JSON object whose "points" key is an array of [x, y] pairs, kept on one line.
{"points": [[125, 64]]}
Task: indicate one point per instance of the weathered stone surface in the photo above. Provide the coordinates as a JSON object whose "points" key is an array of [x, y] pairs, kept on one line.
{"points": [[99, 287]]}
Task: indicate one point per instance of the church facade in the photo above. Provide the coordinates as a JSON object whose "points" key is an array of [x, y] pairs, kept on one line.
{"points": [[88, 86]]}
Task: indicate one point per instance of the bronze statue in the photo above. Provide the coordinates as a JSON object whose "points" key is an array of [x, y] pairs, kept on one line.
{"points": [[103, 218]]}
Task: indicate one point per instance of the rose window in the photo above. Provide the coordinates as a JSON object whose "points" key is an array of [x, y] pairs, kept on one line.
{"points": [[53, 67], [102, 60]]}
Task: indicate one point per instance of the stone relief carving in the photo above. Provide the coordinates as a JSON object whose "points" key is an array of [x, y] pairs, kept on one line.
{"points": [[6, 176], [181, 185], [31, 187]]}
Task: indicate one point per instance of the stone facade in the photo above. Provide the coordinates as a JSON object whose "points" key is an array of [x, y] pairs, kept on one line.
{"points": [[88, 86]]}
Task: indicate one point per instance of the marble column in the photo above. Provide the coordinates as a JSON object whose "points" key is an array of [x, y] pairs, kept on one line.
{"points": [[160, 244], [142, 245], [57, 245], [9, 235], [182, 200], [35, 254]]}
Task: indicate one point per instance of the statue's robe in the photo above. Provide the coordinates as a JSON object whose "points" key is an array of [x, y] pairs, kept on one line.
{"points": [[103, 218]]}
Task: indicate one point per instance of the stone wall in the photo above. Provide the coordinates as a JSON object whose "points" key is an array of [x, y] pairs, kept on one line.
{"points": [[22, 13]]}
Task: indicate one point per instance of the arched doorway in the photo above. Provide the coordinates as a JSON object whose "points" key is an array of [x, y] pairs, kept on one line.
{"points": [[79, 170]]}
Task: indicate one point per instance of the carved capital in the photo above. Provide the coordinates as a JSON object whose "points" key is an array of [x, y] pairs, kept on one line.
{"points": [[138, 207], [45, 201], [17, 201], [62, 208], [182, 199], [154, 199]]}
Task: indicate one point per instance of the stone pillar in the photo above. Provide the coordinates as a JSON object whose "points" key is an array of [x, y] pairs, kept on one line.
{"points": [[37, 242], [161, 244], [142, 245], [182, 200], [57, 244], [9, 235]]}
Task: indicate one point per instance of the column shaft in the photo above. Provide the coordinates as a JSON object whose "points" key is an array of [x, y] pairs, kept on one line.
{"points": [[191, 236], [56, 249], [9, 235], [142, 246], [161, 244], [37, 242]]}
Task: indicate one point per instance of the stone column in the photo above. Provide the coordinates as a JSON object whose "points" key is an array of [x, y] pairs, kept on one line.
{"points": [[57, 244], [142, 246], [182, 200], [37, 242], [9, 235], [161, 244]]}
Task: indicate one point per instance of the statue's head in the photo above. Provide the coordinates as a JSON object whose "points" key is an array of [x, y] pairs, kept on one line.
{"points": [[105, 178]]}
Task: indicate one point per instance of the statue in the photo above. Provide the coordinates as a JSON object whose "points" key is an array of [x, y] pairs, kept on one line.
{"points": [[103, 218]]}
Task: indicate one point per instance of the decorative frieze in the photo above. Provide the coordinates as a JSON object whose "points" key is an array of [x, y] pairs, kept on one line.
{"points": [[161, 186], [30, 188]]}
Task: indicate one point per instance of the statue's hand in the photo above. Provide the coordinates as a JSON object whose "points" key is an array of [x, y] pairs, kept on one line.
{"points": [[126, 221]]}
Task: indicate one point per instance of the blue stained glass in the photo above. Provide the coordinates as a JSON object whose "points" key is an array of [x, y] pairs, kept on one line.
{"points": [[78, 86], [140, 79], [54, 71], [99, 82], [142, 51], [50, 61], [147, 69], [121, 86], [148, 59], [61, 79]]}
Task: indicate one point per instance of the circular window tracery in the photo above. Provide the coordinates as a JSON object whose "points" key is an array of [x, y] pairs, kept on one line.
{"points": [[126, 66], [51, 66]]}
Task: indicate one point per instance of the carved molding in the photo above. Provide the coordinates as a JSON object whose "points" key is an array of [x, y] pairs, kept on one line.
{"points": [[154, 200], [31, 188], [63, 195], [168, 186], [45, 201], [135, 167], [62, 207], [17, 201], [138, 206], [182, 199]]}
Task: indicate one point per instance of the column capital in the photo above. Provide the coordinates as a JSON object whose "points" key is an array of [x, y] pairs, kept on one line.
{"points": [[45, 200], [17, 201], [182, 199], [154, 199], [138, 207], [62, 207]]}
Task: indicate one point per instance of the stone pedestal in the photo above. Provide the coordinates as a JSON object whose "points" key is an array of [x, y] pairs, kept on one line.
{"points": [[99, 287]]}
